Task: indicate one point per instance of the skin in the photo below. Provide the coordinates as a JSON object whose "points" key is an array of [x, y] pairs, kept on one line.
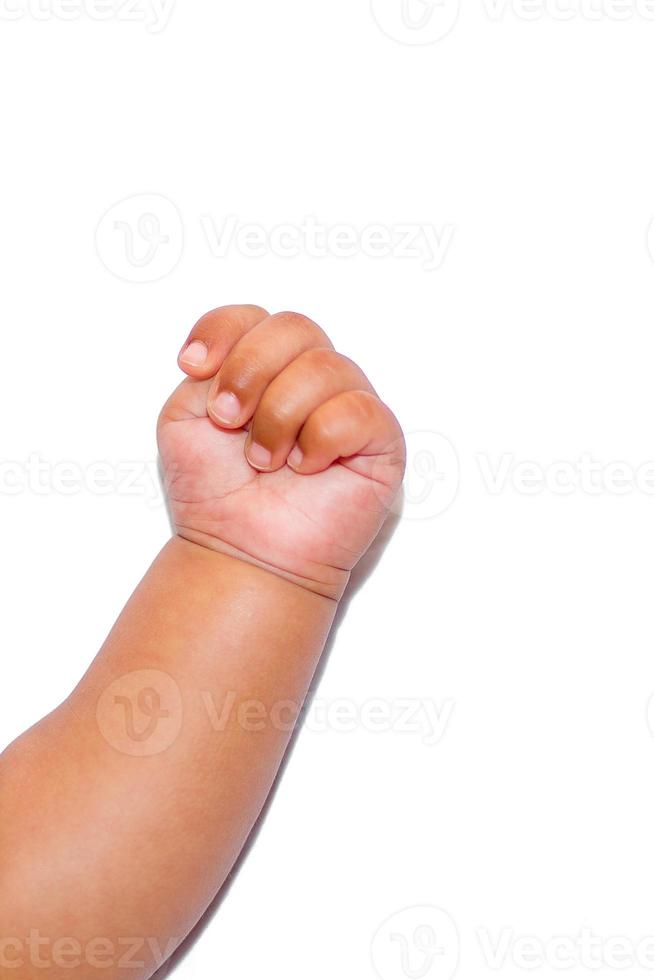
{"points": [[123, 811]]}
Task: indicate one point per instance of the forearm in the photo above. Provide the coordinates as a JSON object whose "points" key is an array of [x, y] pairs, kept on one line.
{"points": [[121, 822]]}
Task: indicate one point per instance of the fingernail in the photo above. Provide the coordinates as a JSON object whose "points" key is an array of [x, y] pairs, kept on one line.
{"points": [[226, 407], [195, 354], [296, 457], [259, 457]]}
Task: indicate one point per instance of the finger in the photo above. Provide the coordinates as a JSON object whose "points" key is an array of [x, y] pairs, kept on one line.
{"points": [[311, 379], [255, 360], [213, 336], [357, 428]]}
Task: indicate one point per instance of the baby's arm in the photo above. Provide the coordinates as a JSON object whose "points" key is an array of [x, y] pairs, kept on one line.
{"points": [[123, 811], [98, 843]]}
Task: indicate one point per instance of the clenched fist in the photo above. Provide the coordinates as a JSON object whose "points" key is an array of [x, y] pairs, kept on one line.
{"points": [[276, 449]]}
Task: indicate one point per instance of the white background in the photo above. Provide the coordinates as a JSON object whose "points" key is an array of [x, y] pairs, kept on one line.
{"points": [[523, 138]]}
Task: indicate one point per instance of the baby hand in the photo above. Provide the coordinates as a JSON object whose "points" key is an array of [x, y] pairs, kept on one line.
{"points": [[276, 449]]}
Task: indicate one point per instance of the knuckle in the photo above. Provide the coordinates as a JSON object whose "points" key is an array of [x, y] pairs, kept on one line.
{"points": [[208, 323], [238, 374], [250, 308], [226, 318], [274, 415], [322, 359], [291, 316], [297, 322], [321, 432], [232, 310], [363, 405]]}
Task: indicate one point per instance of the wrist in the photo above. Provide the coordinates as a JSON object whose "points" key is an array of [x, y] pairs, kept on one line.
{"points": [[320, 580]]}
